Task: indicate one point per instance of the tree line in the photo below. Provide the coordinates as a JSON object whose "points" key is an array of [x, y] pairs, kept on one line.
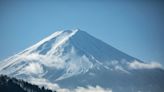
{"points": [[8, 84]]}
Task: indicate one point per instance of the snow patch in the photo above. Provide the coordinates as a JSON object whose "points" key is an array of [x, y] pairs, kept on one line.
{"points": [[76, 65], [140, 65]]}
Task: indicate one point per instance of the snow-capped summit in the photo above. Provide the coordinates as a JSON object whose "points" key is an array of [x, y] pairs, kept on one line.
{"points": [[72, 58]]}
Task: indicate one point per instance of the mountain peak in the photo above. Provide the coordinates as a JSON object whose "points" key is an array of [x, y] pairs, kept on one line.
{"points": [[57, 36], [72, 31]]}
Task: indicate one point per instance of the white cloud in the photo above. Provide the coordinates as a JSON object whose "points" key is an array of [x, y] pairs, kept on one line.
{"points": [[83, 89], [92, 89], [67, 61], [56, 87], [50, 61], [34, 68], [140, 65], [44, 82], [117, 67]]}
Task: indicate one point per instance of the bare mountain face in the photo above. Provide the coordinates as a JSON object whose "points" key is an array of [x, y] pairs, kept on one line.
{"points": [[73, 58]]}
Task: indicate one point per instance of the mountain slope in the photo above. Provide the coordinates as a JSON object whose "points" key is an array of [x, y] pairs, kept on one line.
{"points": [[74, 58]]}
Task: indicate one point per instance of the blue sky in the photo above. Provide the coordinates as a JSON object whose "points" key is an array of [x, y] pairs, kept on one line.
{"points": [[134, 27]]}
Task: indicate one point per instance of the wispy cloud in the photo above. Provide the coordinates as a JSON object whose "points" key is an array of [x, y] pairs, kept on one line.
{"points": [[55, 86], [34, 68], [85, 89], [140, 65], [92, 89]]}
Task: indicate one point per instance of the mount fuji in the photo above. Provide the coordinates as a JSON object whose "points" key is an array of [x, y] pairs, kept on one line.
{"points": [[73, 59]]}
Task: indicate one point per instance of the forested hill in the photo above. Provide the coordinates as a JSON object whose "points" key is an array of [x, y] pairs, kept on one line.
{"points": [[8, 84]]}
